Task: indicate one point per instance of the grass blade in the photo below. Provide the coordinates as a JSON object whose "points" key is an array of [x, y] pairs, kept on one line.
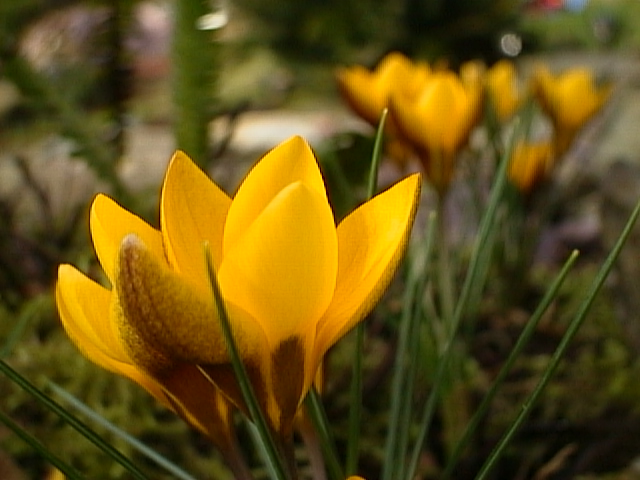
{"points": [[110, 427], [355, 410], [76, 424], [70, 472], [249, 396]]}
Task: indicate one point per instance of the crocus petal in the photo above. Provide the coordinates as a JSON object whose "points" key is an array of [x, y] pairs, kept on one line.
{"points": [[291, 161], [193, 210], [84, 310], [110, 223], [371, 242], [358, 89], [407, 117], [84, 306], [445, 97], [163, 319], [283, 269]]}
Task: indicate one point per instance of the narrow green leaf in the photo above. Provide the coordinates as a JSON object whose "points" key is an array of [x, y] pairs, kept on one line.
{"points": [[248, 394], [117, 431], [355, 396], [73, 421], [321, 424], [376, 156], [70, 472]]}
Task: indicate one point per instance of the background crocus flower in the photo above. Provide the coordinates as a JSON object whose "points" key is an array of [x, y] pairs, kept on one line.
{"points": [[530, 164], [570, 99], [293, 282], [504, 93], [368, 92], [438, 122]]}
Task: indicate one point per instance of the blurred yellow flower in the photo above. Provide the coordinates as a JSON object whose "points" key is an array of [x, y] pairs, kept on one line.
{"points": [[570, 99], [504, 94], [368, 92], [438, 122], [292, 281], [529, 165]]}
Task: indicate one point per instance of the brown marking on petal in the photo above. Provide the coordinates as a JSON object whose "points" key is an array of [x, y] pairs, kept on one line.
{"points": [[224, 377], [195, 399], [140, 351], [287, 376], [162, 314]]}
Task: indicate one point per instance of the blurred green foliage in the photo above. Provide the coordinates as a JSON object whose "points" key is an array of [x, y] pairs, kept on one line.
{"points": [[338, 29]]}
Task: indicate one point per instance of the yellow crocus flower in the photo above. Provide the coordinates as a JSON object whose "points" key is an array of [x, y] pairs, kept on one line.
{"points": [[570, 99], [438, 122], [503, 91], [529, 165], [368, 92], [292, 281]]}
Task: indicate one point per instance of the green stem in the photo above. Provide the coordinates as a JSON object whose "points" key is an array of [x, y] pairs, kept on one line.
{"points": [[321, 424], [445, 273], [194, 64], [355, 411]]}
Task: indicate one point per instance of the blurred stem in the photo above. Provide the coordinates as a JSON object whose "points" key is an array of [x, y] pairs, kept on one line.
{"points": [[313, 446], [119, 71], [355, 412], [445, 275], [194, 68], [319, 420]]}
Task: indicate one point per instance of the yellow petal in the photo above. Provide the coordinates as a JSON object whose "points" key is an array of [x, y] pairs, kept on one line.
{"points": [[84, 312], [192, 210], [358, 89], [444, 98], [164, 320], [407, 118], [110, 223], [291, 161], [283, 269], [371, 242], [368, 92]]}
